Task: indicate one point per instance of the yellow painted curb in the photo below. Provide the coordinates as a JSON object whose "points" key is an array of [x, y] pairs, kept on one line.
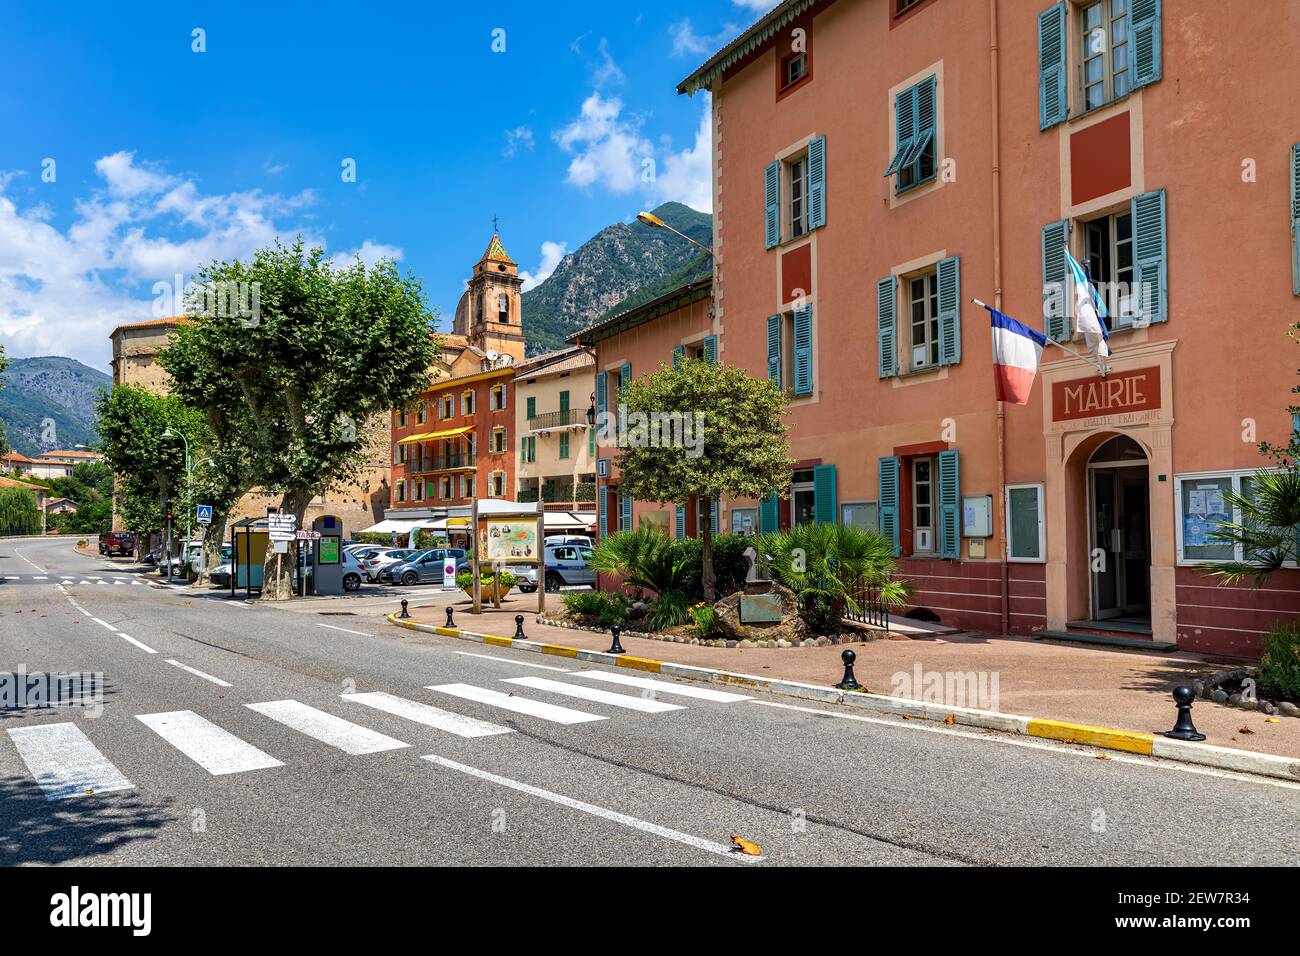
{"points": [[1126, 740], [640, 663], [559, 650], [498, 641]]}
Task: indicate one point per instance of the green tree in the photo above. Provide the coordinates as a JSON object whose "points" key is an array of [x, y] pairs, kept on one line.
{"points": [[18, 512], [295, 383], [737, 443], [4, 364]]}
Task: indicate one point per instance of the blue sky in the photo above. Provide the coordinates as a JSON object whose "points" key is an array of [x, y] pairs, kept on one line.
{"points": [[128, 157]]}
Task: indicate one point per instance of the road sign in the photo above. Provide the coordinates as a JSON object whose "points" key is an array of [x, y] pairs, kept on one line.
{"points": [[308, 535], [281, 527], [204, 515]]}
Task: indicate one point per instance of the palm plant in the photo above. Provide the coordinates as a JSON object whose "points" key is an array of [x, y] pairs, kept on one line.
{"points": [[1269, 529], [644, 559], [826, 564]]}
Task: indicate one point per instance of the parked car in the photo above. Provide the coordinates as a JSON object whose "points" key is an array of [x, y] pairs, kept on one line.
{"points": [[114, 543], [220, 576], [565, 564], [383, 558], [425, 567], [353, 572]]}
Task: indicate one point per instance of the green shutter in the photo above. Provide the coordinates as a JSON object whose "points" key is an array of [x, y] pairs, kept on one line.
{"points": [[949, 505], [679, 355], [711, 349], [602, 507], [624, 380], [1150, 258], [564, 401], [886, 335], [772, 201], [679, 522], [532, 408], [923, 103], [1295, 218], [1053, 103], [564, 444], [774, 349], [904, 129], [803, 369], [949, 310], [1056, 287], [768, 520], [591, 442], [625, 513], [817, 183], [824, 501], [888, 511], [523, 450], [713, 516], [1144, 42], [601, 395]]}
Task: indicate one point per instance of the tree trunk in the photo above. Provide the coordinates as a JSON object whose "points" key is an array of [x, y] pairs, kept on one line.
{"points": [[212, 538], [277, 572], [706, 552]]}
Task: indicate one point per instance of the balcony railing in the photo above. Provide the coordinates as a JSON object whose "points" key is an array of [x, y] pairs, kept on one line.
{"points": [[424, 466], [582, 493], [564, 419]]}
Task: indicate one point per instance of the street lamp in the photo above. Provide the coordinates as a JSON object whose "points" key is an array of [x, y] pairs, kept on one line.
{"points": [[591, 412], [168, 433], [650, 219]]}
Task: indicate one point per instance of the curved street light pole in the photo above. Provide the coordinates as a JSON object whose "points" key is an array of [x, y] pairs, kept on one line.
{"points": [[168, 433]]}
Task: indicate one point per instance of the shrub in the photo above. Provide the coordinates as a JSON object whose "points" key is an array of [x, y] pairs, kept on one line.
{"points": [[1279, 670], [704, 620], [644, 558], [597, 607], [667, 610], [464, 579], [729, 564]]}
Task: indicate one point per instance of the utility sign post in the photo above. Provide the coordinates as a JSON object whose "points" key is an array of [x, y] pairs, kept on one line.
{"points": [[203, 514]]}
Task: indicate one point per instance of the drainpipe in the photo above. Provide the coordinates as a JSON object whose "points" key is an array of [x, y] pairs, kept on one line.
{"points": [[996, 131]]}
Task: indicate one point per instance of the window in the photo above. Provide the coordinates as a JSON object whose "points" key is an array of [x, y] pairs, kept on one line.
{"points": [[401, 490], [745, 521], [403, 454], [923, 296], [860, 514], [401, 418], [419, 413], [803, 498], [802, 179], [1108, 254], [498, 441], [497, 398], [564, 444], [915, 149], [798, 210], [497, 485], [923, 504], [1104, 31], [468, 481], [446, 481], [1202, 506], [448, 406], [467, 403], [793, 69], [1024, 513]]}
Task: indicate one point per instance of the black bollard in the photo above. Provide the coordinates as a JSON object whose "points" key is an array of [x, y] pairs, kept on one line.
{"points": [[519, 628], [616, 647], [1183, 727], [850, 682], [403, 614], [450, 622]]}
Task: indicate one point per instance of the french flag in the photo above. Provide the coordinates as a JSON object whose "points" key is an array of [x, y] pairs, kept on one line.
{"points": [[1016, 350]]}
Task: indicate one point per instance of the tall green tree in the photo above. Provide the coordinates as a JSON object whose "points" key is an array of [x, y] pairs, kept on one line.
{"points": [[730, 440], [294, 380], [18, 512]]}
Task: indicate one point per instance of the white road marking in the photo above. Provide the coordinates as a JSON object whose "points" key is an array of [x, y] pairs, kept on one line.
{"points": [[613, 815], [506, 660], [645, 705], [140, 644], [198, 673], [428, 715], [520, 705], [664, 687], [344, 630], [29, 561], [215, 750], [85, 582], [328, 729], [39, 577], [105, 624], [64, 762]]}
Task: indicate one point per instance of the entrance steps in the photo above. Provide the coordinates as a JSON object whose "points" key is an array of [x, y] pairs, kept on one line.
{"points": [[1132, 635]]}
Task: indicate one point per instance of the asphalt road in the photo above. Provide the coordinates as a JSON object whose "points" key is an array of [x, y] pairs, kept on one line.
{"points": [[253, 735]]}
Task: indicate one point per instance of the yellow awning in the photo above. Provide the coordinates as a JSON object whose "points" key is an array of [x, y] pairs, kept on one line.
{"points": [[435, 436]]}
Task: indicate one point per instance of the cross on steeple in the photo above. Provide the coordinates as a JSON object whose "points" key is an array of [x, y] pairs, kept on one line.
{"points": [[494, 223]]}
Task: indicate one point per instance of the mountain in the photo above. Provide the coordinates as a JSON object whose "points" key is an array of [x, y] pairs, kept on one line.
{"points": [[614, 267], [51, 387]]}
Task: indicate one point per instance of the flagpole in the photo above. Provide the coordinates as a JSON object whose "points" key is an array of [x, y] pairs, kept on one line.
{"points": [[1053, 341]]}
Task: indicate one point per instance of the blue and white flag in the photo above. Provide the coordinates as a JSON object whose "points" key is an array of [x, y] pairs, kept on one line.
{"points": [[1089, 309]]}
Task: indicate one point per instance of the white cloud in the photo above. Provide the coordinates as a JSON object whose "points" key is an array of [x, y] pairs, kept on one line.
{"points": [[606, 71], [756, 6], [552, 253], [62, 290], [686, 42], [518, 139], [607, 149], [687, 176], [368, 252]]}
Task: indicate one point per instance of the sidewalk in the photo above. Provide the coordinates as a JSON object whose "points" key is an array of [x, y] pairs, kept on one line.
{"points": [[1127, 690]]}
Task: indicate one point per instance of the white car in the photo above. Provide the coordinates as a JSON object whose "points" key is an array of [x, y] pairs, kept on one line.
{"points": [[383, 558]]}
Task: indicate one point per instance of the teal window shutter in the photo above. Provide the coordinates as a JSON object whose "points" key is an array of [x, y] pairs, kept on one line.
{"points": [[1150, 258], [949, 505], [679, 522], [886, 334], [825, 505], [713, 516], [774, 349], [803, 370], [591, 442], [924, 110], [1144, 42], [768, 521], [949, 271], [888, 512], [1053, 103], [625, 513], [1295, 218], [679, 354], [564, 444], [711, 349], [532, 408], [817, 183], [602, 507], [904, 129], [1056, 286], [600, 392], [624, 380], [772, 200]]}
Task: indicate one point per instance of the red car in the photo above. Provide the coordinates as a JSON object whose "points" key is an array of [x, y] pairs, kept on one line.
{"points": [[117, 543]]}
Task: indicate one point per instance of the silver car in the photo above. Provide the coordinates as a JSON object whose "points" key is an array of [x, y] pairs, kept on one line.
{"points": [[565, 564], [422, 568]]}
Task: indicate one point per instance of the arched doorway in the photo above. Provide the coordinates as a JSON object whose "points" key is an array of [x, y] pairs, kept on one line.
{"points": [[1119, 525]]}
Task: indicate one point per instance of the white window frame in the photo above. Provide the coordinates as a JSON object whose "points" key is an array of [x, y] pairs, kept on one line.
{"points": [[1042, 523], [467, 402], [1107, 54], [932, 504], [1121, 312], [933, 342], [1236, 475], [796, 226]]}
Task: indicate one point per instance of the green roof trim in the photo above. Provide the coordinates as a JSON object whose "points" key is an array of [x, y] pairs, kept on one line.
{"points": [[751, 40], [647, 312]]}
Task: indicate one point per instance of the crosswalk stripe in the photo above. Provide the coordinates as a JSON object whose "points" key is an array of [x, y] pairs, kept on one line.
{"points": [[428, 715], [64, 762], [664, 687], [216, 750], [520, 705], [338, 733], [643, 704]]}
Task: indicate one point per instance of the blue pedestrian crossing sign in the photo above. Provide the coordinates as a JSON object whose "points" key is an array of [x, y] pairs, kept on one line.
{"points": [[205, 514]]}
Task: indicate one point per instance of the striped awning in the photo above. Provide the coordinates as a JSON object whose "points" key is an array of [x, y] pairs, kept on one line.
{"points": [[435, 436]]}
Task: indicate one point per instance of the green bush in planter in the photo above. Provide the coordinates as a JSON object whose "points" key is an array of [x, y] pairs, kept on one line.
{"points": [[597, 607], [465, 579]]}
